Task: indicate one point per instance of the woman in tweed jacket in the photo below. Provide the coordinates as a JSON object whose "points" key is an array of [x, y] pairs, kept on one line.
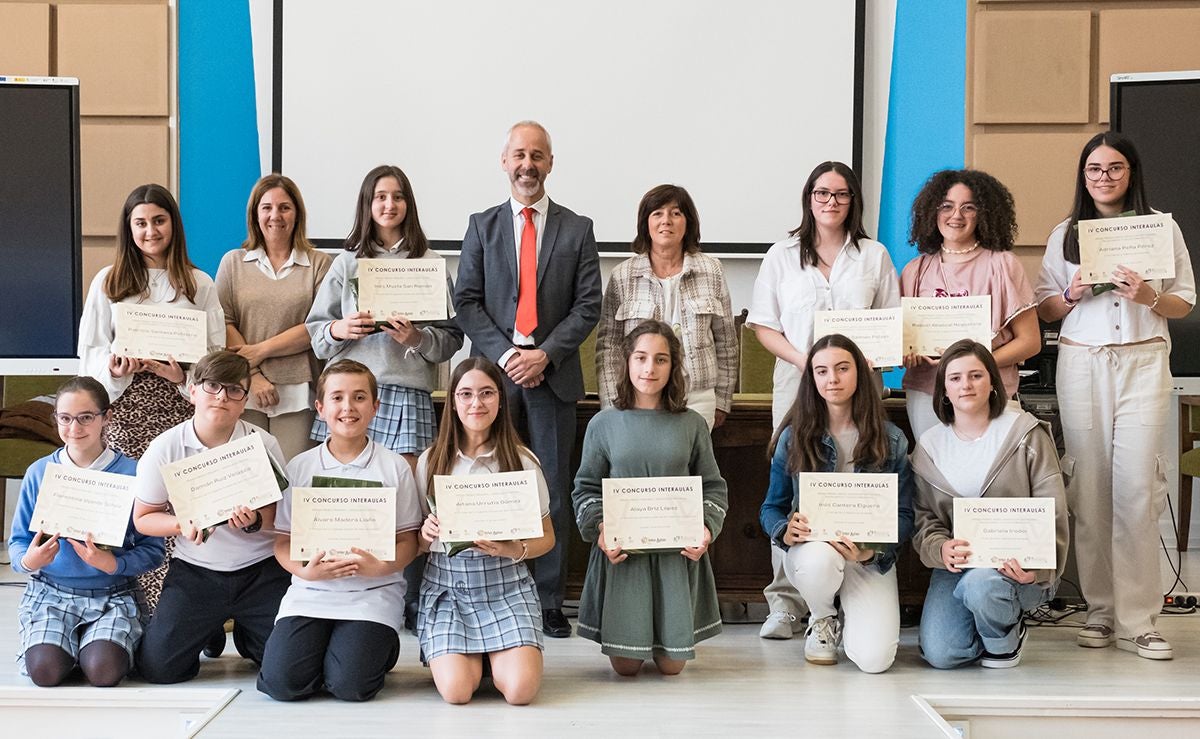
{"points": [[669, 279]]}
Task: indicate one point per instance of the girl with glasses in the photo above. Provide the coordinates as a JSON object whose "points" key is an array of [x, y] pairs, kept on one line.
{"points": [[963, 225], [82, 604], [480, 605], [826, 263], [1114, 386]]}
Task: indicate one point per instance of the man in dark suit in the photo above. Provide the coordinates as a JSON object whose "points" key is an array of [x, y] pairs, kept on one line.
{"points": [[527, 295]]}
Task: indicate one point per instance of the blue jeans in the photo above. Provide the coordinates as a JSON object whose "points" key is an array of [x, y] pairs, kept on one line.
{"points": [[974, 611]]}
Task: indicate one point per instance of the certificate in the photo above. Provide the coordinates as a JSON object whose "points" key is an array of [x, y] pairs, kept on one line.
{"points": [[413, 288], [73, 503], [879, 333], [205, 488], [933, 324], [653, 512], [497, 507], [999, 529], [332, 520], [861, 506], [159, 332], [1144, 244]]}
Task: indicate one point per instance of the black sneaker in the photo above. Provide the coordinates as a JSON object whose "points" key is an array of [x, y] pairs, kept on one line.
{"points": [[1012, 659], [215, 645], [555, 624]]}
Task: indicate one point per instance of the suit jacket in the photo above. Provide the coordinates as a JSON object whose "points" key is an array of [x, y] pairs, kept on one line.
{"points": [[568, 290]]}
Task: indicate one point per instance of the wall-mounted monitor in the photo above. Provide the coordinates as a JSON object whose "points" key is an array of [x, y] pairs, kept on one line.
{"points": [[41, 241]]}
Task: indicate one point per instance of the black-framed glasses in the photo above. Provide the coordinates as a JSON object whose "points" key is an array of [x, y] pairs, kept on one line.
{"points": [[233, 392], [841, 197], [1115, 172], [968, 210], [486, 395], [84, 419]]}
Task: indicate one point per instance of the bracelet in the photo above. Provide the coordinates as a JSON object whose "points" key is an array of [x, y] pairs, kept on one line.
{"points": [[1066, 296], [254, 527], [524, 553], [1154, 303]]}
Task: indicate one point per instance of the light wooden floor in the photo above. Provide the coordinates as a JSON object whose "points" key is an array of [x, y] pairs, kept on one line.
{"points": [[738, 684]]}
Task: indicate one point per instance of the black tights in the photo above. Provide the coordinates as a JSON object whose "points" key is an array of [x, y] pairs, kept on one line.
{"points": [[104, 664]]}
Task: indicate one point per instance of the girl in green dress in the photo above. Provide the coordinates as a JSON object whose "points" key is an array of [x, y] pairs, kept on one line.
{"points": [[653, 604]]}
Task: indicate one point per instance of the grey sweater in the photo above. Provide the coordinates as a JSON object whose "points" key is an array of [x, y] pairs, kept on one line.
{"points": [[392, 363]]}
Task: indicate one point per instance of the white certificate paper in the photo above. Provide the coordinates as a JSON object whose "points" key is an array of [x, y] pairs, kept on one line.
{"points": [[653, 512], [496, 507], [1144, 244], [879, 333], [73, 503], [999, 529], [159, 332], [413, 288], [862, 506], [933, 324], [205, 488], [332, 520]]}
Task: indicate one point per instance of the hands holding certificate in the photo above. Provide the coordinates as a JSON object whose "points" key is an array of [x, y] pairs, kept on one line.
{"points": [[243, 518], [616, 554], [956, 552], [123, 366], [360, 323], [798, 532], [518, 550]]}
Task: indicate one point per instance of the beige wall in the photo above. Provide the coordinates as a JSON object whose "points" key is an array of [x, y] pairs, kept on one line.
{"points": [[123, 55], [1037, 89]]}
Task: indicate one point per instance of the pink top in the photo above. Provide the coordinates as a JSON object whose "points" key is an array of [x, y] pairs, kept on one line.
{"points": [[995, 273]]}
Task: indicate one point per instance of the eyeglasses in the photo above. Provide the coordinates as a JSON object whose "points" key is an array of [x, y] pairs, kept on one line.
{"points": [[486, 395], [841, 197], [968, 210], [233, 392], [84, 419], [1114, 171]]}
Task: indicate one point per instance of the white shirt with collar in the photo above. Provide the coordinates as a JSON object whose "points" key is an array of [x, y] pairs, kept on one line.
{"points": [[484, 464], [227, 549], [100, 463], [377, 599], [788, 293], [260, 258]]}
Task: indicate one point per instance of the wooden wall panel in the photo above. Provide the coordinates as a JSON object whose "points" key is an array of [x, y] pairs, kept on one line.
{"points": [[120, 55], [1162, 40], [25, 47], [115, 159], [98, 252], [1039, 169], [1032, 67]]}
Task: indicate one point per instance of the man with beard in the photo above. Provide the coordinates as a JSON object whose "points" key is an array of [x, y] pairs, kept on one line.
{"points": [[527, 295]]}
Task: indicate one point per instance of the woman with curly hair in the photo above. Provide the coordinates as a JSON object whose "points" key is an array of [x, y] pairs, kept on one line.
{"points": [[963, 225]]}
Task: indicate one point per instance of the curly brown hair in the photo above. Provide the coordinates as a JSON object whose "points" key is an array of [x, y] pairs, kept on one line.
{"points": [[995, 226]]}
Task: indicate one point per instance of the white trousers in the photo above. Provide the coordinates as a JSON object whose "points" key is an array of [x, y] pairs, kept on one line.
{"points": [[1113, 402], [781, 596], [870, 601]]}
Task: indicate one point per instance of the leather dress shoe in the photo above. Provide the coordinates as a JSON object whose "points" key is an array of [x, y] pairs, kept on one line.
{"points": [[555, 624], [215, 644]]}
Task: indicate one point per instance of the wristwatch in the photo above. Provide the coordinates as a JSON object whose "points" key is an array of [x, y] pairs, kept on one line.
{"points": [[254, 527]]}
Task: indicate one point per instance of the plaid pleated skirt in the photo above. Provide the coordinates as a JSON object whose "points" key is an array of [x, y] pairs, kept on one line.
{"points": [[405, 422], [72, 618], [473, 603]]}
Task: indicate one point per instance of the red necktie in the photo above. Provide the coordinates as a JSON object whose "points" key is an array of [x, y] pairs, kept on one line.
{"points": [[527, 277]]}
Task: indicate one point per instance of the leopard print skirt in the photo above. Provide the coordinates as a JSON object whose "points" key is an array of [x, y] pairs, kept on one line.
{"points": [[148, 407]]}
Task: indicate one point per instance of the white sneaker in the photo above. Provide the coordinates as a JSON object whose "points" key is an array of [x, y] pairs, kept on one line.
{"points": [[1150, 645], [1011, 659], [822, 640], [780, 625]]}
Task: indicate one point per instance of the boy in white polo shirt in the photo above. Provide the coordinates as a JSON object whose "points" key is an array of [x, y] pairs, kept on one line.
{"points": [[339, 623], [230, 574]]}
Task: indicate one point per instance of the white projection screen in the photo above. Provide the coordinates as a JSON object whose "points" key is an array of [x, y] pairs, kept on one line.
{"points": [[734, 101]]}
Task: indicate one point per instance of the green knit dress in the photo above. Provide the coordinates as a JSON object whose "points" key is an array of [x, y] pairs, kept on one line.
{"points": [[656, 602]]}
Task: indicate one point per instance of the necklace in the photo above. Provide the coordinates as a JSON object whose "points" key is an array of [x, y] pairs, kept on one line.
{"points": [[968, 250]]}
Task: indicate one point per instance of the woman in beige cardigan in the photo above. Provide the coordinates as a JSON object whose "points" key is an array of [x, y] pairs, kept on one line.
{"points": [[266, 289], [981, 449], [669, 279]]}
